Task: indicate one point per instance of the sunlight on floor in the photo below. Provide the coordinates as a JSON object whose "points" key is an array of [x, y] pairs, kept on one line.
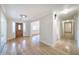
{"points": [[36, 39]]}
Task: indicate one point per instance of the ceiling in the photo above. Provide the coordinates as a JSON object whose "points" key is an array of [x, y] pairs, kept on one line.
{"points": [[32, 10], [69, 15]]}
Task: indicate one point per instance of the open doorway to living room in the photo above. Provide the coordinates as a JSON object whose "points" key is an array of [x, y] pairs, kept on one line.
{"points": [[35, 28], [35, 31]]}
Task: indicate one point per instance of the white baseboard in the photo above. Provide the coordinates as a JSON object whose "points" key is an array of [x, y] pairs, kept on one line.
{"points": [[46, 43], [51, 45], [54, 44]]}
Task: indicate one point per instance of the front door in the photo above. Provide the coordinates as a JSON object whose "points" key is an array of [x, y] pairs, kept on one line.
{"points": [[19, 30]]}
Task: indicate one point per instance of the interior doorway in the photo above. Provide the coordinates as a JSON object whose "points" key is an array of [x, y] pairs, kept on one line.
{"points": [[35, 32], [19, 30], [35, 28], [68, 29]]}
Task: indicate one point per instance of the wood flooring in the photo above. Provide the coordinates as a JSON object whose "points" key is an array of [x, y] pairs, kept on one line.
{"points": [[33, 46]]}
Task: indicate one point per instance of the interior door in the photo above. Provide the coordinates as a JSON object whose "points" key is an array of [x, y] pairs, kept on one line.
{"points": [[19, 30]]}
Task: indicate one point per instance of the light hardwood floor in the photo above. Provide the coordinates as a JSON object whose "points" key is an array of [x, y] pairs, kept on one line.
{"points": [[32, 46]]}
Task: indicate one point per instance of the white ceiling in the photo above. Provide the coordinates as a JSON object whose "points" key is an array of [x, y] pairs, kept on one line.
{"points": [[69, 15], [32, 10]]}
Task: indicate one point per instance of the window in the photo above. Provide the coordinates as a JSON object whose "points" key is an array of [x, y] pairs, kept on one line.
{"points": [[19, 27], [13, 27], [24, 27], [35, 27]]}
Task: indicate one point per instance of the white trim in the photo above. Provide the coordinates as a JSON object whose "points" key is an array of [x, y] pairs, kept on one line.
{"points": [[53, 45], [46, 43]]}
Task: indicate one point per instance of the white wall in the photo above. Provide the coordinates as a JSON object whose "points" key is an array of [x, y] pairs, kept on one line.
{"points": [[4, 20], [77, 31], [27, 32], [0, 24], [46, 23], [56, 29], [3, 28], [11, 35]]}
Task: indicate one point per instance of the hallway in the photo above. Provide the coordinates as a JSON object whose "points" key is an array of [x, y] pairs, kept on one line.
{"points": [[32, 46], [39, 29]]}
